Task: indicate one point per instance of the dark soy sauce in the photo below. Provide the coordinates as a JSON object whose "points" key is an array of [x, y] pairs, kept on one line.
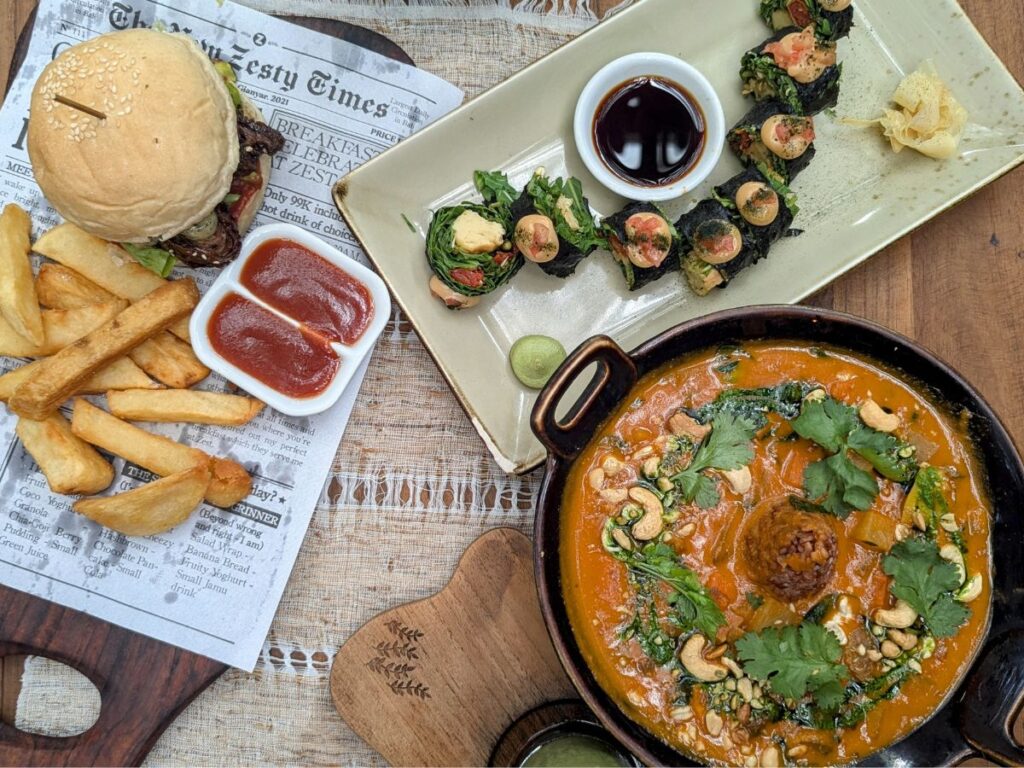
{"points": [[649, 131]]}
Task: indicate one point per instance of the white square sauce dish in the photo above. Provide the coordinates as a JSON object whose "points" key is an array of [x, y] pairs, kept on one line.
{"points": [[290, 320]]}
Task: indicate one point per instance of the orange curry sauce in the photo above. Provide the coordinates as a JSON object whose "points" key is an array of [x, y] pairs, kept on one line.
{"points": [[600, 600]]}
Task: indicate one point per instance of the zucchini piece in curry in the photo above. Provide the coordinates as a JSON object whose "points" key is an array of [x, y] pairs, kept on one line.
{"points": [[777, 554]]}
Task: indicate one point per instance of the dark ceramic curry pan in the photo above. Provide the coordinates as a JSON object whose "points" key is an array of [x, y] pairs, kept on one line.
{"points": [[978, 715]]}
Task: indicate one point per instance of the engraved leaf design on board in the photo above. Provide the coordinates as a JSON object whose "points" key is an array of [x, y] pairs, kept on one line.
{"points": [[393, 655]]}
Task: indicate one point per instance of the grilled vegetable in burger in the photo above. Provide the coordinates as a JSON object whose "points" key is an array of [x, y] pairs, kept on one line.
{"points": [[831, 19], [174, 164], [470, 252], [793, 67], [643, 242], [770, 137]]}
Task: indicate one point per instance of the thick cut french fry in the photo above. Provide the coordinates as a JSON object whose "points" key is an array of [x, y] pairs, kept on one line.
{"points": [[18, 303], [61, 375], [70, 464], [170, 361], [120, 374], [184, 405], [59, 287], [151, 508], [61, 327], [229, 483], [164, 357], [107, 264]]}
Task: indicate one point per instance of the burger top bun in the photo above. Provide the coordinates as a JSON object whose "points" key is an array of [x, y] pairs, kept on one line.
{"points": [[164, 156]]}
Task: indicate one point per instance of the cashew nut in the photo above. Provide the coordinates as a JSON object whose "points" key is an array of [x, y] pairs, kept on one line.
{"points": [[952, 554], [714, 723], [651, 524], [614, 495], [949, 523], [739, 479], [971, 590], [692, 658], [683, 425], [904, 640], [890, 650], [622, 539], [900, 617], [815, 395], [871, 413], [596, 478], [771, 757]]}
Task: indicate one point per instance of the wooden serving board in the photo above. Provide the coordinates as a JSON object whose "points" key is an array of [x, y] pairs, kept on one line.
{"points": [[436, 682], [143, 683]]}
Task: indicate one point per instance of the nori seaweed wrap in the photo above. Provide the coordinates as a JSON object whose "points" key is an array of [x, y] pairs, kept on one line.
{"points": [[663, 239], [828, 25], [746, 141], [764, 79], [464, 271], [764, 237], [710, 220], [563, 206]]}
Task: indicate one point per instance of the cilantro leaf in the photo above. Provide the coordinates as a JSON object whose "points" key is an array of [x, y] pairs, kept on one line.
{"points": [[926, 582], [827, 422], [693, 605], [796, 661], [727, 447], [839, 485], [892, 458]]}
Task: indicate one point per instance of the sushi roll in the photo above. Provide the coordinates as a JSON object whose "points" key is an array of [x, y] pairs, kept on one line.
{"points": [[643, 242], [470, 252], [763, 210], [831, 19], [793, 67], [715, 248], [774, 140], [552, 225]]}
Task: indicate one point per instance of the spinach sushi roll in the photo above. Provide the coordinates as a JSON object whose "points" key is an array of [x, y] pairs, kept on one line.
{"points": [[774, 140], [793, 67], [763, 210], [831, 19], [552, 225], [643, 242], [469, 250], [715, 249]]}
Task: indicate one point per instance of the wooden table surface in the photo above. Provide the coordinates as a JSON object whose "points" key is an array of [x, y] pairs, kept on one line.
{"points": [[956, 285]]}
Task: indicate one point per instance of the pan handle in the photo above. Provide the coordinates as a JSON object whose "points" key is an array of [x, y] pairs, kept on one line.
{"points": [[616, 375], [992, 699]]}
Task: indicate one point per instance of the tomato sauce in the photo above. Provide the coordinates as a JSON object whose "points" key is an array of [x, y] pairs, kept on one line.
{"points": [[600, 598], [307, 287], [291, 360]]}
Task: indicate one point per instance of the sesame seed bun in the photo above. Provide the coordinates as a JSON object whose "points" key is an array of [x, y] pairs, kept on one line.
{"points": [[165, 154]]}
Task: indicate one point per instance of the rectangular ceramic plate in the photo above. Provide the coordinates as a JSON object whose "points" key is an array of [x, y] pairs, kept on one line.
{"points": [[856, 197]]}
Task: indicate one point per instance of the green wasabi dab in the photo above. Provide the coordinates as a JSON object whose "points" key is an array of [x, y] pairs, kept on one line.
{"points": [[535, 358]]}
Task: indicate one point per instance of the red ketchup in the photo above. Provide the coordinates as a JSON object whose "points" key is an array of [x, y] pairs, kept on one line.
{"points": [[291, 360], [305, 286]]}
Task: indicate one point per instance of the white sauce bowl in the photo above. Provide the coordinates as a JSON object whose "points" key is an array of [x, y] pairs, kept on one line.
{"points": [[635, 65]]}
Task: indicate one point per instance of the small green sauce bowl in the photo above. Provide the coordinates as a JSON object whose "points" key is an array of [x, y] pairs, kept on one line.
{"points": [[560, 734]]}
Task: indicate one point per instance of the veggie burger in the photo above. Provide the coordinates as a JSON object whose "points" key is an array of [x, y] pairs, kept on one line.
{"points": [[139, 138]]}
